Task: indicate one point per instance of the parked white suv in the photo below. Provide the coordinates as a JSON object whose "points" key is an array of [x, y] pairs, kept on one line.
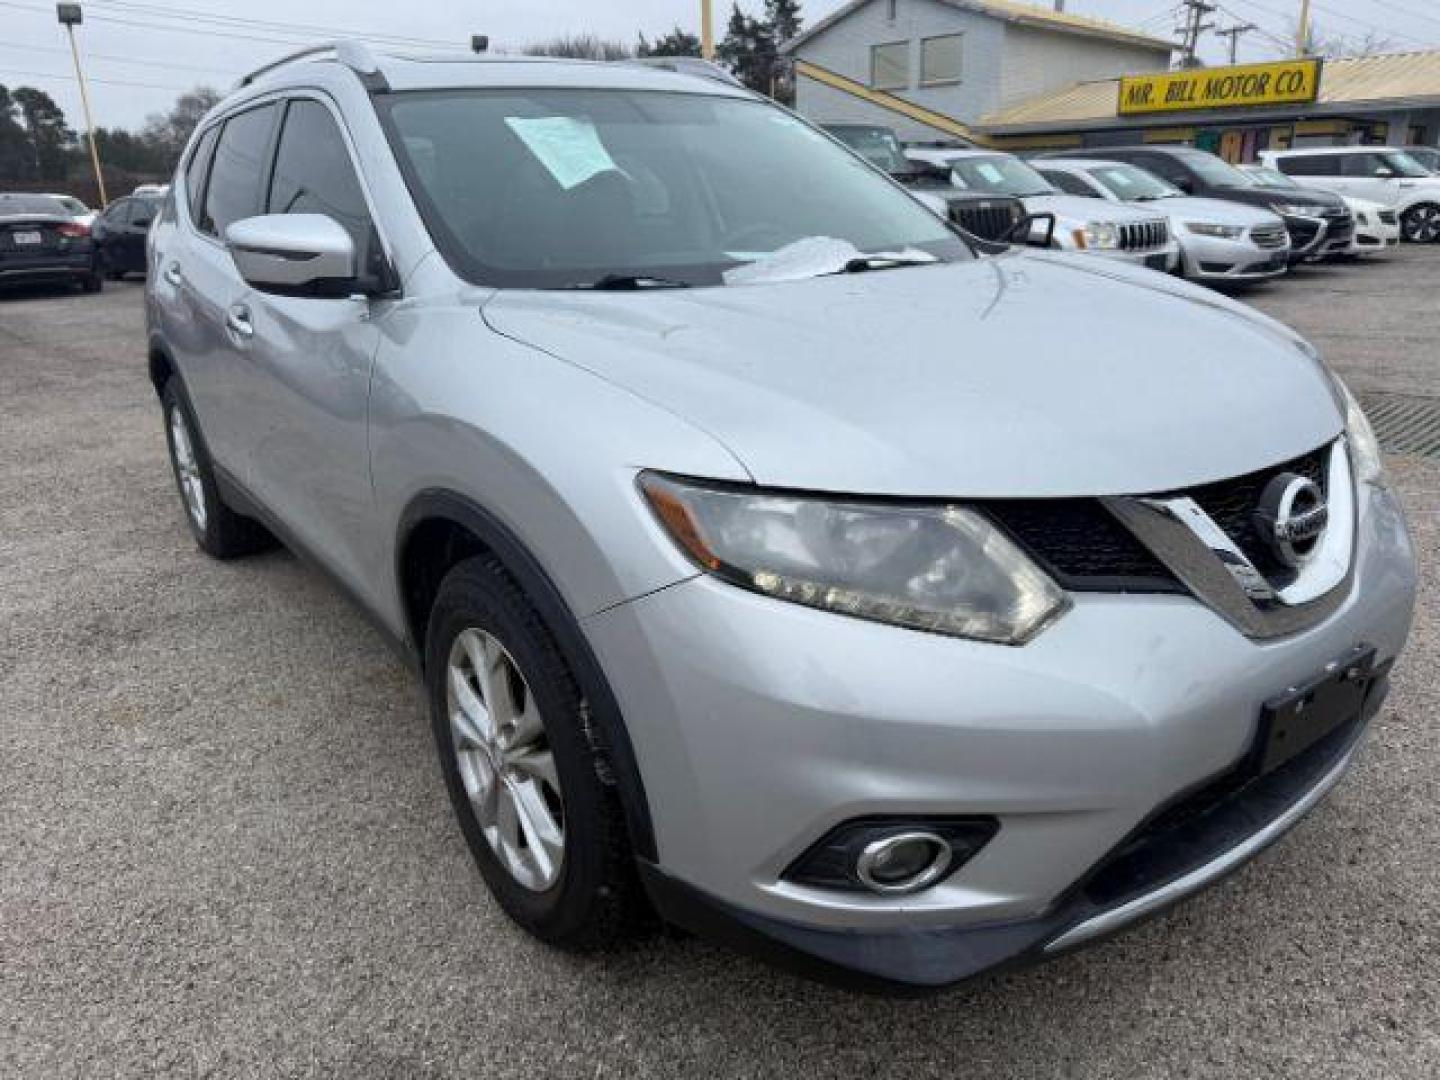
{"points": [[1111, 230], [1220, 241], [1383, 174]]}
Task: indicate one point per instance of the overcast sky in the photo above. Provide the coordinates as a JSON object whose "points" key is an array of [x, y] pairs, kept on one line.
{"points": [[140, 53]]}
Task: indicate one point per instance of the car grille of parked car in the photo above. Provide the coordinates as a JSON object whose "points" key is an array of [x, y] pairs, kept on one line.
{"points": [[1144, 235], [1342, 224], [1268, 236], [987, 219], [1086, 549], [1389, 217]]}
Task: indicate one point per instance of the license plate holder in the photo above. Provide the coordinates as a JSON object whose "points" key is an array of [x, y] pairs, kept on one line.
{"points": [[26, 239], [1303, 714]]}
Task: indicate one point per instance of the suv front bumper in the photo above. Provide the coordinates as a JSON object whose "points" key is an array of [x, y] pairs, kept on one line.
{"points": [[760, 725]]}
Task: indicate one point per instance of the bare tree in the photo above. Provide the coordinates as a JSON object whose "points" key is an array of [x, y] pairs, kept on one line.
{"points": [[1318, 42]]}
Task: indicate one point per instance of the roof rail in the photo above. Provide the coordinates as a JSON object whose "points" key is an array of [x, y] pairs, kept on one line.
{"points": [[357, 57], [687, 65]]}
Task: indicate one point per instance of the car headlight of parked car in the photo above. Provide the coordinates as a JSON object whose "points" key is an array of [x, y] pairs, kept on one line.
{"points": [[935, 567], [1098, 234], [1364, 447], [1295, 210], [1211, 228]]}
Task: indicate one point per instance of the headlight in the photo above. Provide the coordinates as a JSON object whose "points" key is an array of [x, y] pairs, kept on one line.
{"points": [[940, 568], [1294, 210], [1364, 447], [1210, 228], [1098, 234]]}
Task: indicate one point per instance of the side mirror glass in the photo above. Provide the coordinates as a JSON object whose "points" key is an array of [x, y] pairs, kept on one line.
{"points": [[309, 254]]}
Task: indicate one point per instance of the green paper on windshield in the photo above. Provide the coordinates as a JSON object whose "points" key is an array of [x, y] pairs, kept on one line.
{"points": [[568, 147]]}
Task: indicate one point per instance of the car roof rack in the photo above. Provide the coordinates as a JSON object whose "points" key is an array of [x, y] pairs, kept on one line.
{"points": [[353, 54], [687, 65]]}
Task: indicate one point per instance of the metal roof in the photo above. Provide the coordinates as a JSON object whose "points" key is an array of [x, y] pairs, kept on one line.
{"points": [[1347, 82], [1040, 18]]}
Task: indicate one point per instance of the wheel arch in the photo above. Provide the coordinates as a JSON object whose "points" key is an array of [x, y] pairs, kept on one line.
{"points": [[161, 366], [438, 529]]}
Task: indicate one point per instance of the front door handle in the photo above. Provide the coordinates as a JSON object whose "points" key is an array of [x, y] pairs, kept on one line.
{"points": [[173, 275], [238, 320]]}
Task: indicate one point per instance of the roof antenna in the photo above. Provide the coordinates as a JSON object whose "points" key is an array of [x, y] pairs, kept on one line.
{"points": [[479, 43]]}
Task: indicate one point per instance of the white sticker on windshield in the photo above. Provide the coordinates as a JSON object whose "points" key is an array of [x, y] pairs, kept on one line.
{"points": [[1119, 179], [992, 174], [567, 146]]}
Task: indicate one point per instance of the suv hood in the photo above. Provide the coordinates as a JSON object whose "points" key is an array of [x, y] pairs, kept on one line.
{"points": [[1030, 374], [1079, 208]]}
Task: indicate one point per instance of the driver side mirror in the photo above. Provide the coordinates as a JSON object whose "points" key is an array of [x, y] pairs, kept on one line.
{"points": [[1034, 230], [299, 254], [141, 223]]}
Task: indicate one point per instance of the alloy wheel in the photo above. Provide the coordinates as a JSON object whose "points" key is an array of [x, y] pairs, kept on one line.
{"points": [[1422, 224], [505, 760], [187, 468]]}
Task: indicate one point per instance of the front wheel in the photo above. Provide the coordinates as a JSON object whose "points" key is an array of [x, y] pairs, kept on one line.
{"points": [[1421, 224], [524, 765]]}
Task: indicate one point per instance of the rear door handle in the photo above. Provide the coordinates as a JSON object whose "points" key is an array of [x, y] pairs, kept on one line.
{"points": [[238, 320], [173, 275]]}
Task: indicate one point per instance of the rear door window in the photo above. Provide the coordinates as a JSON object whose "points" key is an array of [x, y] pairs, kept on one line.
{"points": [[198, 171], [1312, 165], [234, 189]]}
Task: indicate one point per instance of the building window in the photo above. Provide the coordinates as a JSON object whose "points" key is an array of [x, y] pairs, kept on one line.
{"points": [[940, 59], [890, 66]]}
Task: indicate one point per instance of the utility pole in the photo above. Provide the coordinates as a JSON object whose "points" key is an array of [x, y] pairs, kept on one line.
{"points": [[1302, 29], [1195, 12], [70, 17], [707, 32], [1233, 33]]}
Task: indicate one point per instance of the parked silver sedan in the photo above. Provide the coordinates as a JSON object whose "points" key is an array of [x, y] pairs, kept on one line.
{"points": [[1219, 241]]}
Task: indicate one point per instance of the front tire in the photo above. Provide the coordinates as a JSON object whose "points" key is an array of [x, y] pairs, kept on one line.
{"points": [[218, 530], [1421, 224], [529, 779]]}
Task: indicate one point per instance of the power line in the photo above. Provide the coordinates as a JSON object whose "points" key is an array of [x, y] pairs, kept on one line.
{"points": [[270, 25], [1195, 11], [112, 58], [1234, 33], [70, 77]]}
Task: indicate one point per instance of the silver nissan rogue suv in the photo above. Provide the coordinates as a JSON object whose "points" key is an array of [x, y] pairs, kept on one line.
{"points": [[776, 564]]}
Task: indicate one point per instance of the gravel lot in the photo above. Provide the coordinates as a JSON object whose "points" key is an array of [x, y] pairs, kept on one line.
{"points": [[225, 847]]}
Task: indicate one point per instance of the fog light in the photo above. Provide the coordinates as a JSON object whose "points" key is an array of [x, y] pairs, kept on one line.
{"points": [[904, 863], [892, 855]]}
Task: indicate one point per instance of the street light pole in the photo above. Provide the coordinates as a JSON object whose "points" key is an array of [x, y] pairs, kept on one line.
{"points": [[70, 17], [1302, 29]]}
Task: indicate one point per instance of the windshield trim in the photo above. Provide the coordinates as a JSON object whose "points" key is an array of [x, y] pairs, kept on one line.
{"points": [[471, 270]]}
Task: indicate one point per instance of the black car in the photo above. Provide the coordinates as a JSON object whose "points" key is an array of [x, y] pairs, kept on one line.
{"points": [[120, 234], [988, 216], [41, 241], [1320, 222]]}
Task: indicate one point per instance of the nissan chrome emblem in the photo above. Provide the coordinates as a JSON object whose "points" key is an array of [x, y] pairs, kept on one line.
{"points": [[1291, 518]]}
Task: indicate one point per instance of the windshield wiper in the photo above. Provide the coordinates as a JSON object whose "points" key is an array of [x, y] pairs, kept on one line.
{"points": [[861, 263], [622, 282]]}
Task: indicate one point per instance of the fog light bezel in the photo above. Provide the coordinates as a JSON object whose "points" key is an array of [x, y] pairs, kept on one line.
{"points": [[933, 870], [834, 861]]}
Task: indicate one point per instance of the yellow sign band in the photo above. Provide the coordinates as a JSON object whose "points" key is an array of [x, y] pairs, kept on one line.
{"points": [[1283, 82]]}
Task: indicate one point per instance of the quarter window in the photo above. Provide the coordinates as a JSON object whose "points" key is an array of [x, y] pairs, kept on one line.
{"points": [[890, 66], [940, 59], [234, 189], [315, 175]]}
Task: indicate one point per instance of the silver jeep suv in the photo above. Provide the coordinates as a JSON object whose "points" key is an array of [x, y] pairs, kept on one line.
{"points": [[775, 564]]}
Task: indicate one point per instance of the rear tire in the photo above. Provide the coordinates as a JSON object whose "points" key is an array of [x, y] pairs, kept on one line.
{"points": [[513, 730], [218, 530], [92, 282]]}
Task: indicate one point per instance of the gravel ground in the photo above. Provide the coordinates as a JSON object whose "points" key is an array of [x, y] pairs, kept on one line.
{"points": [[225, 848]]}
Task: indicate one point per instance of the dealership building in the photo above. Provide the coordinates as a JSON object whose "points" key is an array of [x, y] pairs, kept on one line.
{"points": [[1022, 77]]}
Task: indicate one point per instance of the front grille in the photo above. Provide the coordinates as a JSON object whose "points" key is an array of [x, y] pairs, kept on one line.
{"points": [[1086, 549], [986, 219], [1342, 224], [1268, 236], [1144, 235]]}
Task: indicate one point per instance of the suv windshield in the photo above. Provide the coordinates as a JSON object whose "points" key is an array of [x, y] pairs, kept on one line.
{"points": [[999, 174], [1132, 184], [560, 188], [1213, 170]]}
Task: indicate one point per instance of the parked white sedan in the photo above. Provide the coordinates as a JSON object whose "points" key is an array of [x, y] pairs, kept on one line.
{"points": [[1377, 227], [1220, 241], [1113, 231]]}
